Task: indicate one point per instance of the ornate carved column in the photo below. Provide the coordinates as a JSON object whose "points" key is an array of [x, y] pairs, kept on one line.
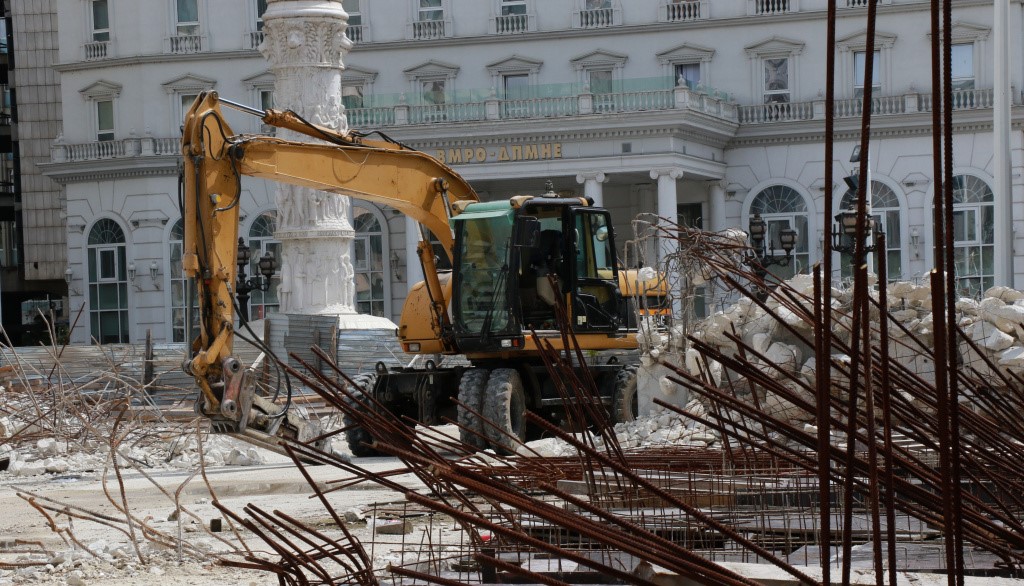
{"points": [[305, 44]]}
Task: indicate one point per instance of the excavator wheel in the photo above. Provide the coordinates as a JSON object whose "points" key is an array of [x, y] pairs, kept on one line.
{"points": [[624, 402], [471, 393], [505, 406], [360, 440]]}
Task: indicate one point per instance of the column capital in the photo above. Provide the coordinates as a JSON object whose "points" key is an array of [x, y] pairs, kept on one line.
{"points": [[585, 176], [673, 172]]}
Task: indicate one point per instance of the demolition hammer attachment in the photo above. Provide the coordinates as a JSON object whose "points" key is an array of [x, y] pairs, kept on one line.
{"points": [[255, 419]]}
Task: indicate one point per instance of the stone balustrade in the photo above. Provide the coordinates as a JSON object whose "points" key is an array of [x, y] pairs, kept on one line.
{"points": [[493, 109]]}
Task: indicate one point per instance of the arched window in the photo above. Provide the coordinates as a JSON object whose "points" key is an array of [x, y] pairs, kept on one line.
{"points": [[783, 207], [261, 241], [973, 235], [106, 257], [885, 207], [368, 263], [181, 289]]}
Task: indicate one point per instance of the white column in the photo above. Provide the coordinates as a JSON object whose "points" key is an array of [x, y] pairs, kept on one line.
{"points": [[305, 44], [716, 206], [668, 201], [1003, 184], [413, 269], [592, 188]]}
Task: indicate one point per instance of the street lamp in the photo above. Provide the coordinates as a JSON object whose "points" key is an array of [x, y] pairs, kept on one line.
{"points": [[763, 257], [846, 226], [267, 266]]}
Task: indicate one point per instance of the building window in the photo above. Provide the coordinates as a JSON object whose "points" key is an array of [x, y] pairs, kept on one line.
{"points": [[187, 17], [100, 21], [601, 87], [368, 263], [352, 96], [104, 120], [597, 14], [973, 235], [859, 66], [261, 8], [433, 91], [963, 66], [783, 207], [355, 20], [185, 102], [261, 241], [687, 75], [885, 208], [108, 283], [513, 7], [776, 80], [183, 293], [429, 20], [431, 10]]}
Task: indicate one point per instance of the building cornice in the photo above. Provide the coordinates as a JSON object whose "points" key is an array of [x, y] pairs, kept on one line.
{"points": [[106, 169], [160, 58], [848, 129]]}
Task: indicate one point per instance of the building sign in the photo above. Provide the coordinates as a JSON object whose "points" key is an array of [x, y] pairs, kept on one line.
{"points": [[514, 152]]}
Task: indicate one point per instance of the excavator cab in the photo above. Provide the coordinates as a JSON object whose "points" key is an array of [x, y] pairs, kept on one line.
{"points": [[514, 266]]}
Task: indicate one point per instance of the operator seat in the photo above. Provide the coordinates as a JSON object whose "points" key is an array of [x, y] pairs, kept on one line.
{"points": [[547, 258]]}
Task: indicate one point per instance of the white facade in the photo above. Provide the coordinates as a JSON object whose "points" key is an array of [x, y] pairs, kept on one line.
{"points": [[512, 93]]}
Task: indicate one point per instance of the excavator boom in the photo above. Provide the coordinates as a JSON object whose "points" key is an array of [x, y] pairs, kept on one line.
{"points": [[215, 159]]}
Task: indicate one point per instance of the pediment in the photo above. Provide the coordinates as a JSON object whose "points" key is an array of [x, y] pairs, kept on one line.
{"points": [[262, 80], [360, 74], [966, 31], [189, 82], [598, 57], [432, 68], [859, 41], [774, 46], [101, 89], [686, 52], [514, 63]]}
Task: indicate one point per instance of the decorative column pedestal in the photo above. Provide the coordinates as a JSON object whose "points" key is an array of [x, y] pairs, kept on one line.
{"points": [[305, 44]]}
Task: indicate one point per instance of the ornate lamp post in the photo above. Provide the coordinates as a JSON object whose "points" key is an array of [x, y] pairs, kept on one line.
{"points": [[764, 257], [244, 286], [846, 226]]}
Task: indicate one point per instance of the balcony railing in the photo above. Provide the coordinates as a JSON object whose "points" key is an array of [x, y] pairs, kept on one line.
{"points": [[255, 39], [354, 33], [115, 149], [768, 7], [428, 29], [512, 24], [597, 18], [185, 43], [963, 100], [476, 107], [685, 11], [370, 117], [96, 50]]}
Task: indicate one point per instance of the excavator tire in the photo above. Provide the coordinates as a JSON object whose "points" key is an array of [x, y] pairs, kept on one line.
{"points": [[360, 440], [505, 406], [624, 402], [471, 393]]}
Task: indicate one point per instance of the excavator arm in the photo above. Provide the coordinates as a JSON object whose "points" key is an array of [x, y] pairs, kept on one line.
{"points": [[215, 159]]}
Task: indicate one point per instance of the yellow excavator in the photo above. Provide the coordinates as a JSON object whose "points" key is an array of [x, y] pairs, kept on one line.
{"points": [[513, 262]]}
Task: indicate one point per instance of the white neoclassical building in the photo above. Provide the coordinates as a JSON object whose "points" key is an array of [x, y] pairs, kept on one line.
{"points": [[708, 112]]}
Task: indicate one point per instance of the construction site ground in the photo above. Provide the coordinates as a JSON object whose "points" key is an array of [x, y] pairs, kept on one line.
{"points": [[275, 485]]}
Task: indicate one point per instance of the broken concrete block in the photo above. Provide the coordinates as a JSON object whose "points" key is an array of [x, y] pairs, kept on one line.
{"points": [[1012, 357], [392, 527], [76, 578], [1005, 294], [988, 336], [354, 515]]}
